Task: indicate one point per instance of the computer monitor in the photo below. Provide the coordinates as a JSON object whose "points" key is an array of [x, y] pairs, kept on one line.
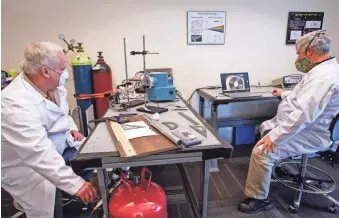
{"points": [[235, 82]]}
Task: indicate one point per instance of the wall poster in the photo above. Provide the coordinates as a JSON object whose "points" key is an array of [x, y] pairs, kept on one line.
{"points": [[301, 23], [206, 27]]}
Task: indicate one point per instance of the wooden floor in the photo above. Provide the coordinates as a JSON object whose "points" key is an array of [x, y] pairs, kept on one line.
{"points": [[225, 193]]}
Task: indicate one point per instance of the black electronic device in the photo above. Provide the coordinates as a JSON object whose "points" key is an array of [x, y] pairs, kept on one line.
{"points": [[152, 109], [287, 81]]}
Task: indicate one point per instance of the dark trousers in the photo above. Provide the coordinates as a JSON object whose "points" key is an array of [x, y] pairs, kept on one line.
{"points": [[85, 174]]}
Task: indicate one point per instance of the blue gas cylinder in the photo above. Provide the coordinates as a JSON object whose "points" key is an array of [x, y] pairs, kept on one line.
{"points": [[83, 82]]}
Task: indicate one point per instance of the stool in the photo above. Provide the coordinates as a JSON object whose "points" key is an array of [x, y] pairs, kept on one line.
{"points": [[304, 182]]}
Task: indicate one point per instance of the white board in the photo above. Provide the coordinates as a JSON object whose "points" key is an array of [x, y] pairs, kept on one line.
{"points": [[206, 27]]}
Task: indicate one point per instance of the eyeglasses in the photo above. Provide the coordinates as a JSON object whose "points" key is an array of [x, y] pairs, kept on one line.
{"points": [[316, 35], [40, 65]]}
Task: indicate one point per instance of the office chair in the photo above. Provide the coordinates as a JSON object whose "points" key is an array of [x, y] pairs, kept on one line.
{"points": [[306, 182]]}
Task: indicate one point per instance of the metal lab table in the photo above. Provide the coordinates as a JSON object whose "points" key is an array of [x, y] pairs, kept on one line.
{"points": [[237, 112], [99, 152]]}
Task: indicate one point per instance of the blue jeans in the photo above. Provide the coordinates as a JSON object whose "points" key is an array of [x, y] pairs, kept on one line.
{"points": [[67, 155], [85, 174]]}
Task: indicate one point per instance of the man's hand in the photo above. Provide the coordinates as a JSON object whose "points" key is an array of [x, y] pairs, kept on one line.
{"points": [[267, 145], [87, 192], [77, 135], [277, 92]]}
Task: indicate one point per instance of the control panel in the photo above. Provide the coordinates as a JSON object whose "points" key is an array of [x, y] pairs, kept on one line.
{"points": [[292, 80], [287, 81]]}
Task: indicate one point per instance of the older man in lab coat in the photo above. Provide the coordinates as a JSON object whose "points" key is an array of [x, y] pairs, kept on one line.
{"points": [[35, 131], [302, 123]]}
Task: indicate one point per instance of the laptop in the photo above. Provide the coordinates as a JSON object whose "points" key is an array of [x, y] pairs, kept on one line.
{"points": [[237, 85]]}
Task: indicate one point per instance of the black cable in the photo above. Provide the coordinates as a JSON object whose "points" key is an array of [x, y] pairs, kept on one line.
{"points": [[178, 92], [189, 165], [261, 86], [189, 99], [177, 106], [206, 87]]}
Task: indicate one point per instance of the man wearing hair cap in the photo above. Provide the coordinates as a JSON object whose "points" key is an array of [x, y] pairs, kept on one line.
{"points": [[35, 132], [302, 123]]}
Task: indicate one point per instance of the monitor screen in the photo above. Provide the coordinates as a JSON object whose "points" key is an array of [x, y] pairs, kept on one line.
{"points": [[235, 82]]}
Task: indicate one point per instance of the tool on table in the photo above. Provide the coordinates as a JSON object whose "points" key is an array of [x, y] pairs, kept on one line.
{"points": [[166, 133], [127, 114], [157, 86], [179, 109], [117, 119], [170, 125], [144, 81], [133, 103], [187, 138], [197, 127], [117, 107], [188, 118], [200, 129], [116, 98], [131, 126], [152, 109]]}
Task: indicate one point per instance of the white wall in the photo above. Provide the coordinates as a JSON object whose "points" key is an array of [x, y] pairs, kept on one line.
{"points": [[255, 35]]}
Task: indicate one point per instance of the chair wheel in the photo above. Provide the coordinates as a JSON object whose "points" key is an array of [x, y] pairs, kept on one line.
{"points": [[293, 210], [333, 208]]}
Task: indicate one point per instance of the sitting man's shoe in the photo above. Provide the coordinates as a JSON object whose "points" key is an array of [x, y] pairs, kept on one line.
{"points": [[251, 205]]}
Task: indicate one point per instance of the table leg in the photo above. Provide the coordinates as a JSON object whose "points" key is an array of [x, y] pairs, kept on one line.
{"points": [[202, 107], [102, 178], [214, 125], [204, 188], [214, 116], [193, 200]]}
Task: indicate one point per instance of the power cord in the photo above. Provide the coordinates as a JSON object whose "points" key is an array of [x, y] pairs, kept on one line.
{"points": [[177, 106], [260, 86], [178, 92], [206, 87]]}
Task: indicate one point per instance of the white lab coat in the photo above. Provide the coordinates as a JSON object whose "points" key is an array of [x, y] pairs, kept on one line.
{"points": [[304, 114], [31, 129]]}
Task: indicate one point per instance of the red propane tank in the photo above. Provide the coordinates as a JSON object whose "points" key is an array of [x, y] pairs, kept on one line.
{"points": [[102, 82], [138, 200]]}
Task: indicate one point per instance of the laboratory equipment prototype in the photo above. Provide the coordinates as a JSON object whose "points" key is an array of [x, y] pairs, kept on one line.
{"points": [[161, 87], [287, 81]]}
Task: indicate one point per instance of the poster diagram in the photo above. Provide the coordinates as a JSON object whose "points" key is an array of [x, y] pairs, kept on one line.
{"points": [[206, 27], [301, 23]]}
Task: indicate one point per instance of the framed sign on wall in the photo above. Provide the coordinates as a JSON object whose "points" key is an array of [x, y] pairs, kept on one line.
{"points": [[301, 23], [206, 27]]}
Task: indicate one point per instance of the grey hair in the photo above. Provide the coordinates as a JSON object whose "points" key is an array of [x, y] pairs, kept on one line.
{"points": [[38, 54], [321, 43]]}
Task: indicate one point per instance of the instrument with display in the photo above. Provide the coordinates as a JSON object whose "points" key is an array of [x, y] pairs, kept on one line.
{"points": [[287, 81]]}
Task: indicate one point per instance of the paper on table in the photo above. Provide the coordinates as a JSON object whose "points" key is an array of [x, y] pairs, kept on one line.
{"points": [[138, 132]]}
